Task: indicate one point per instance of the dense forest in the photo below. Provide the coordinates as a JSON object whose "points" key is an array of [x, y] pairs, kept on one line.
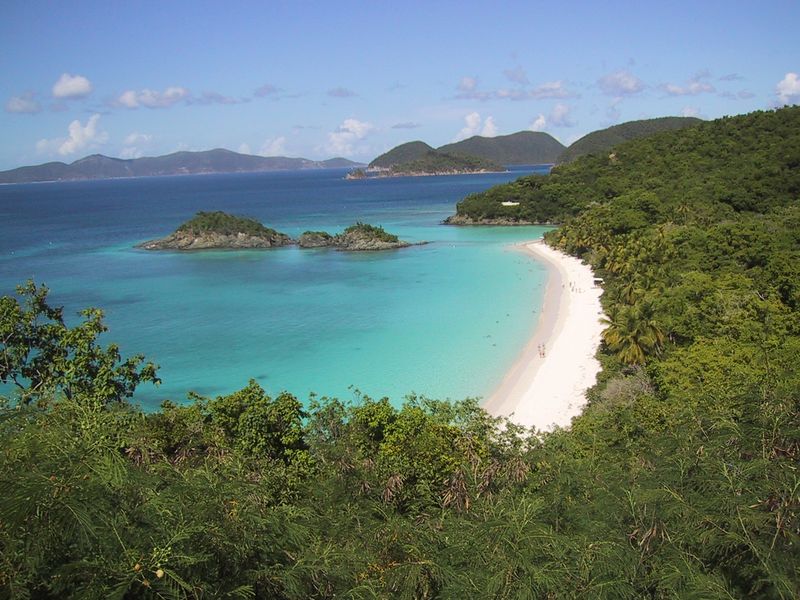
{"points": [[604, 139], [734, 164], [680, 480]]}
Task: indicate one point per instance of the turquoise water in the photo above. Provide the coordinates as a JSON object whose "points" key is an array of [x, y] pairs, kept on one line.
{"points": [[445, 319]]}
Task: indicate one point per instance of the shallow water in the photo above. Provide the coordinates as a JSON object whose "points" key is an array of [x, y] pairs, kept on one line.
{"points": [[445, 319]]}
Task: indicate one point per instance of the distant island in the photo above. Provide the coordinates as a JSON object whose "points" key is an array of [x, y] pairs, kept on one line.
{"points": [[222, 231], [432, 162], [219, 160], [474, 155]]}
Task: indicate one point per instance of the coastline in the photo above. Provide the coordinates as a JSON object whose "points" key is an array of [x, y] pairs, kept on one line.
{"points": [[548, 391]]}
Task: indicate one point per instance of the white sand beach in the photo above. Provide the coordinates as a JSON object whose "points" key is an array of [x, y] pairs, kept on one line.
{"points": [[546, 386]]}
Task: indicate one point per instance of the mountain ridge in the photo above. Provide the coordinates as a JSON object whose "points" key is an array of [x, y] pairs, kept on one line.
{"points": [[218, 160]]}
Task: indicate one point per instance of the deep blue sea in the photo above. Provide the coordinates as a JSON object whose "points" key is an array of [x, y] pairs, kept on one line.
{"points": [[444, 320]]}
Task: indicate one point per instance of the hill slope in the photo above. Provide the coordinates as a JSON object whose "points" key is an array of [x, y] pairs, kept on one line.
{"points": [[521, 148], [219, 160], [401, 154], [605, 139], [743, 163]]}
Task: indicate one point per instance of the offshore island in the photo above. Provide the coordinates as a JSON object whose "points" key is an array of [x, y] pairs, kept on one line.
{"points": [[222, 231]]}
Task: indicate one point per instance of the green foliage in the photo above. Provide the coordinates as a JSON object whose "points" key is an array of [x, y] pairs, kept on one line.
{"points": [[44, 357], [605, 139], [521, 148], [401, 154], [699, 174], [435, 162], [679, 480], [366, 230], [225, 224]]}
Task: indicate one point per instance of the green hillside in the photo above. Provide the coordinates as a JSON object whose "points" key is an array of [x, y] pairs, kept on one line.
{"points": [[401, 154], [679, 480], [521, 148], [434, 162], [605, 139], [731, 164]]}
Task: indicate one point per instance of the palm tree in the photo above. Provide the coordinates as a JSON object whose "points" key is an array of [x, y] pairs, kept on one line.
{"points": [[633, 333]]}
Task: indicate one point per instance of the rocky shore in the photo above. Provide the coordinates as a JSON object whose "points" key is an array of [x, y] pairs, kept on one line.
{"points": [[465, 220]]}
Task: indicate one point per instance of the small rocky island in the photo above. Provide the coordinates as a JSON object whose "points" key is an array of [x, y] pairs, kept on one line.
{"points": [[356, 238], [221, 231]]}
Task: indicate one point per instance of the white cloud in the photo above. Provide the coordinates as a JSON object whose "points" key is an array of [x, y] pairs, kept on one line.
{"points": [[559, 116], [696, 85], [468, 90], [547, 90], [135, 138], [475, 125], [151, 98], [472, 125], [788, 89], [690, 111], [273, 147], [72, 86], [79, 137], [244, 148], [26, 103], [620, 83], [342, 142], [550, 89], [489, 128], [135, 144], [539, 123]]}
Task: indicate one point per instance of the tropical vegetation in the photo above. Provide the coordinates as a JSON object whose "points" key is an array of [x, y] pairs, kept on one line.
{"points": [[679, 480]]}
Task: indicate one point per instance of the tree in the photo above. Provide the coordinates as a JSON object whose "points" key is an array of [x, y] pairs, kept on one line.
{"points": [[633, 333], [44, 357]]}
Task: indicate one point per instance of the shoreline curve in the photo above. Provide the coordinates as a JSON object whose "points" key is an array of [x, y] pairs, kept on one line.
{"points": [[546, 386]]}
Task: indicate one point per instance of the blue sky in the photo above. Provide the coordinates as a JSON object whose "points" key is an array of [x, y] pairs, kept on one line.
{"points": [[354, 79]]}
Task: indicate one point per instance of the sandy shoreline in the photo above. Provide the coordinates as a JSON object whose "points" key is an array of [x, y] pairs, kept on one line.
{"points": [[547, 391]]}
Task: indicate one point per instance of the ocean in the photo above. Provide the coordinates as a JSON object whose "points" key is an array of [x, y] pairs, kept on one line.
{"points": [[444, 320]]}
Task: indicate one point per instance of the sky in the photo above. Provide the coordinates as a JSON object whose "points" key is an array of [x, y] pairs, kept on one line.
{"points": [[354, 79]]}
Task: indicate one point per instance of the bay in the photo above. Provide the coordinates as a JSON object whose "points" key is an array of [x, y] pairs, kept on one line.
{"points": [[444, 320]]}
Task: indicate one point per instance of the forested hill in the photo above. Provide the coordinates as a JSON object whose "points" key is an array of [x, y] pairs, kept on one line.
{"points": [[605, 139], [219, 160], [679, 480], [734, 164], [521, 148], [401, 154]]}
